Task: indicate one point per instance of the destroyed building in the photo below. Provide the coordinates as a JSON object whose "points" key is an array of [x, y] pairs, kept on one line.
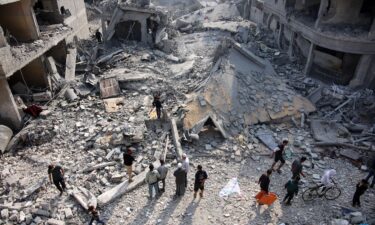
{"points": [[229, 97], [135, 23], [335, 37], [36, 50]]}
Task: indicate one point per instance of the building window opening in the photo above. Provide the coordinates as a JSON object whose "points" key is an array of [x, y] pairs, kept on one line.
{"points": [[47, 12]]}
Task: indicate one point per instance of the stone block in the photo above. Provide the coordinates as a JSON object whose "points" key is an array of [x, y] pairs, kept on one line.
{"points": [[55, 222]]}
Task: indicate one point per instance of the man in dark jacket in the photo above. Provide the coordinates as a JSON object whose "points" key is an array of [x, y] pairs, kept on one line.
{"points": [[200, 179], [56, 176], [128, 161], [297, 167], [180, 175], [360, 190], [292, 189]]}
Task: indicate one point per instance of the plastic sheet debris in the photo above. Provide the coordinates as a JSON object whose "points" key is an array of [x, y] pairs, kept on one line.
{"points": [[232, 187]]}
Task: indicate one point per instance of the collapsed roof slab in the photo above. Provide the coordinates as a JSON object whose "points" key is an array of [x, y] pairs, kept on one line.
{"points": [[242, 90]]}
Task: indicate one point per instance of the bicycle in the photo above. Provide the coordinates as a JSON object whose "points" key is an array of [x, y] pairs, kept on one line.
{"points": [[330, 193]]}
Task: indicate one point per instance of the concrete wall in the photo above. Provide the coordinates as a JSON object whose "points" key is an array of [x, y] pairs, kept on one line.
{"points": [[343, 11], [19, 19], [9, 114], [78, 18], [256, 12], [141, 18]]}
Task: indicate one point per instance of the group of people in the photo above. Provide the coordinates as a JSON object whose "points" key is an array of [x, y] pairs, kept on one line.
{"points": [[291, 186], [156, 176]]}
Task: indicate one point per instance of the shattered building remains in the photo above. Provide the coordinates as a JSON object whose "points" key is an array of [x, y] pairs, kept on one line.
{"points": [[336, 37], [232, 77], [36, 46]]}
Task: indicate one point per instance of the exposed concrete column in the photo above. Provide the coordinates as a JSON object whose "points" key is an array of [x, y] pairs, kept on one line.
{"points": [[291, 44], [280, 35], [371, 34], [310, 59], [322, 11], [9, 114], [361, 71]]}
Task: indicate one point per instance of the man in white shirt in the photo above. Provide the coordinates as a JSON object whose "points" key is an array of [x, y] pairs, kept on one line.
{"points": [[327, 179], [185, 166]]}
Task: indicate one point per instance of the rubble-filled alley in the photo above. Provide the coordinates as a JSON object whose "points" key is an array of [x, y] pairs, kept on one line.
{"points": [[81, 82]]}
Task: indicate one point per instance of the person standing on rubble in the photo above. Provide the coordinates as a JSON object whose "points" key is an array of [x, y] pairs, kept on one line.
{"points": [[200, 179], [157, 104], [128, 161], [292, 189], [180, 175], [163, 171], [94, 215], [98, 36], [264, 182], [152, 177], [360, 190], [186, 167], [278, 154], [371, 172], [297, 167], [56, 176]]}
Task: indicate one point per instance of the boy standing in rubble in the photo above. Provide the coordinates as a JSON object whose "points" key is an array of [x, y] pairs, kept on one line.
{"points": [[157, 104], [56, 176], [278, 154], [128, 161]]}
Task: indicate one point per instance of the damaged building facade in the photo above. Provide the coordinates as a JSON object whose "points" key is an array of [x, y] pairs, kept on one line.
{"points": [[336, 37], [36, 50], [135, 23]]}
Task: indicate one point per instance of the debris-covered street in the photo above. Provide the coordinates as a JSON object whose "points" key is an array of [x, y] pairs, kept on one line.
{"points": [[235, 79]]}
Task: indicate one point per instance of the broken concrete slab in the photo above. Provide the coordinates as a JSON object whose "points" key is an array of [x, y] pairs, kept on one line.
{"points": [[33, 188], [113, 104], [5, 136], [84, 197], [241, 90], [329, 131], [70, 64], [267, 138], [176, 139], [350, 154], [98, 166]]}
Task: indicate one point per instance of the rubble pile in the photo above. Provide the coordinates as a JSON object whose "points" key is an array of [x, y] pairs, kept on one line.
{"points": [[229, 96]]}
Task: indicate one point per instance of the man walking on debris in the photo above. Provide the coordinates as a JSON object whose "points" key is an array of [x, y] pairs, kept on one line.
{"points": [[163, 171], [292, 189], [185, 166], [371, 172], [180, 175], [297, 167], [94, 215], [128, 161], [278, 153], [200, 179], [360, 190], [152, 177], [56, 175], [98, 36], [264, 182], [157, 104]]}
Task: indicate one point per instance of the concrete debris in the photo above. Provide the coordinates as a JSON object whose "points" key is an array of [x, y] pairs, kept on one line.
{"points": [[230, 90], [5, 136]]}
